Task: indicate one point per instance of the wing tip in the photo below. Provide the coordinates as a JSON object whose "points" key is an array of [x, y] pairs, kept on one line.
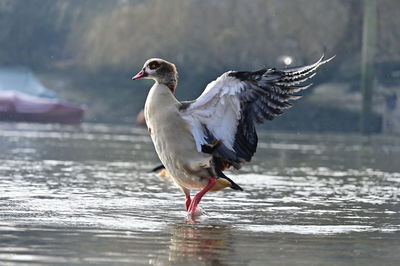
{"points": [[321, 61]]}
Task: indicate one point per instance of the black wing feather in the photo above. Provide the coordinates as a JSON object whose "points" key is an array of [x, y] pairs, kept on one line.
{"points": [[266, 95]]}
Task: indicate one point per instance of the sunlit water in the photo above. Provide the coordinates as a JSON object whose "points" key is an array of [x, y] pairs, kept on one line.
{"points": [[83, 195]]}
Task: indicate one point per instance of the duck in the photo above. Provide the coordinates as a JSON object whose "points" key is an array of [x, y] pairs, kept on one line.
{"points": [[196, 141]]}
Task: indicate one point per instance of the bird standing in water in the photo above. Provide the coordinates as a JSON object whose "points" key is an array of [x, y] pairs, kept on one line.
{"points": [[197, 140]]}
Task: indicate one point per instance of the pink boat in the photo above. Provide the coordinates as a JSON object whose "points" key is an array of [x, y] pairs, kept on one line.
{"points": [[24, 98], [16, 106]]}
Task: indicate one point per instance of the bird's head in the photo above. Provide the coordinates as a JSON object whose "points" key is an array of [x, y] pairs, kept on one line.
{"points": [[159, 70]]}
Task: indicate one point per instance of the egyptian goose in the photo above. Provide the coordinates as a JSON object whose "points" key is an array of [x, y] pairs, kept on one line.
{"points": [[199, 139]]}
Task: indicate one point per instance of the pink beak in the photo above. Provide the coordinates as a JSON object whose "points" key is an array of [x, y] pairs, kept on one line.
{"points": [[139, 75]]}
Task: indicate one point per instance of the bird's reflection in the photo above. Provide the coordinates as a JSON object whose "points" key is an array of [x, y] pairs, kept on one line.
{"points": [[200, 242]]}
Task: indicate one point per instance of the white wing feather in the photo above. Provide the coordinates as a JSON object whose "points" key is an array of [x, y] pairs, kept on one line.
{"points": [[218, 108]]}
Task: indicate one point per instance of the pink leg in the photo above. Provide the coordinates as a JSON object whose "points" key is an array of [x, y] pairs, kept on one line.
{"points": [[198, 196], [187, 202]]}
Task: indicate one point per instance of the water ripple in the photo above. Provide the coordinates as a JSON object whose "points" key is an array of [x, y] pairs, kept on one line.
{"points": [[84, 195]]}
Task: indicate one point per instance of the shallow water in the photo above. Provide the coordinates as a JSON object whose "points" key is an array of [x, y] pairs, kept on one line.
{"points": [[83, 195]]}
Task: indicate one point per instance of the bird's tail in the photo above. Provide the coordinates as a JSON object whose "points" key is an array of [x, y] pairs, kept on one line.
{"points": [[232, 184], [157, 168], [222, 181]]}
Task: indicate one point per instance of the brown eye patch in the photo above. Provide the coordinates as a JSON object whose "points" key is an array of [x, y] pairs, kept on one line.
{"points": [[154, 65]]}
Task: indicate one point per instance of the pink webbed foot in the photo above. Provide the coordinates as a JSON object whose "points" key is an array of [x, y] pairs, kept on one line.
{"points": [[196, 199]]}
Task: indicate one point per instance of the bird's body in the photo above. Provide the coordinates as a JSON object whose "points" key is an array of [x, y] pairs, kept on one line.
{"points": [[196, 141], [175, 148]]}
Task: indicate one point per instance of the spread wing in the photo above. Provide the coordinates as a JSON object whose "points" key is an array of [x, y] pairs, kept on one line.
{"points": [[225, 114]]}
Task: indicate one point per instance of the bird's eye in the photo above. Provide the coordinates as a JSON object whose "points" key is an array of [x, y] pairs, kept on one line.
{"points": [[154, 65]]}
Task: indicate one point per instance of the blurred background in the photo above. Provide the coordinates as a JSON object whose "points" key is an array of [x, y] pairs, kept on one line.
{"points": [[85, 53], [317, 192]]}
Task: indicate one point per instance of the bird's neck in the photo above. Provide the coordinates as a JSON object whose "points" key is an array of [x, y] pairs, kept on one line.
{"points": [[159, 100], [171, 81], [160, 95]]}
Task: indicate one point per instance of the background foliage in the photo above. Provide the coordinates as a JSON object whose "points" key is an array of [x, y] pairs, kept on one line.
{"points": [[87, 50]]}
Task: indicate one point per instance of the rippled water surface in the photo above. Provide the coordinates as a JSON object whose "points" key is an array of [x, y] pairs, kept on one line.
{"points": [[83, 195]]}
